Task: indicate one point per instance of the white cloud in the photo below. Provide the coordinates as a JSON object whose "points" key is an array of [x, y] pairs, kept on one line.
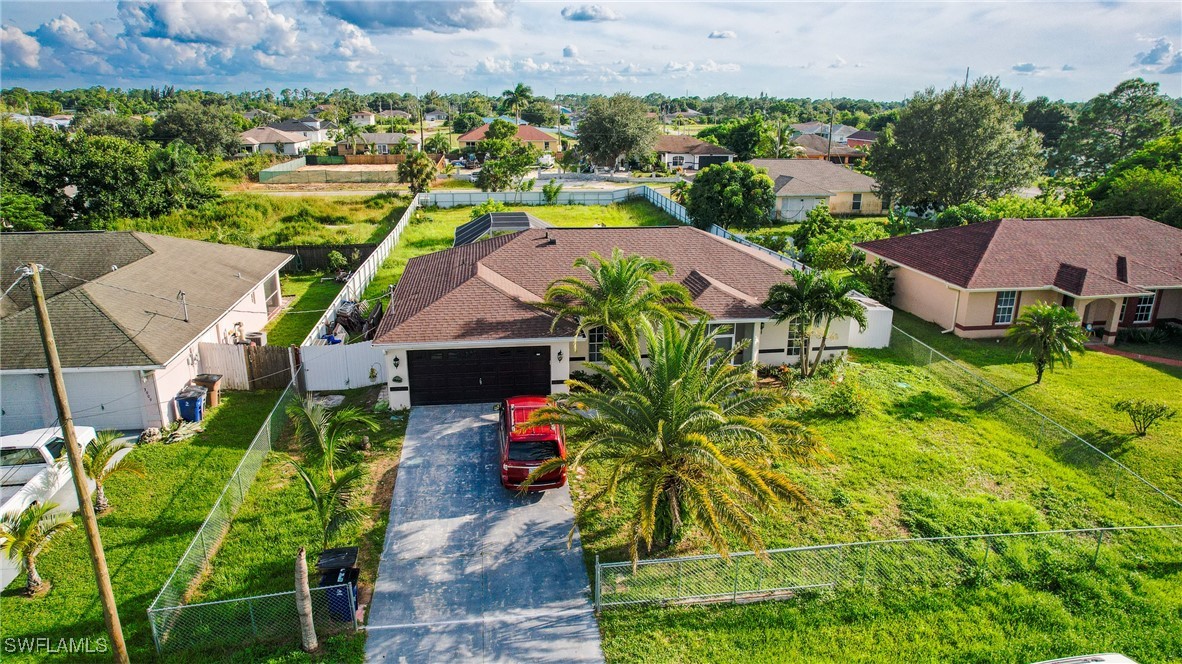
{"points": [[1157, 55], [1028, 69], [65, 31], [570, 51], [352, 42], [837, 63], [444, 17], [678, 67], [590, 13], [723, 34], [1067, 68], [711, 66], [19, 48]]}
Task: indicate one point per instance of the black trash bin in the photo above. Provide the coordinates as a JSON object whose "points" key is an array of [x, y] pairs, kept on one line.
{"points": [[338, 567]]}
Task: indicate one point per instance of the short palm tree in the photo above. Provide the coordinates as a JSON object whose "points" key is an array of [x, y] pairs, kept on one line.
{"points": [[680, 191], [25, 534], [813, 300], [687, 433], [98, 466], [334, 501], [1050, 334], [621, 292], [327, 433], [350, 134]]}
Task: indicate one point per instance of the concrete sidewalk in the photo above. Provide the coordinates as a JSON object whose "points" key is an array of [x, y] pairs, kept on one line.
{"points": [[470, 571]]}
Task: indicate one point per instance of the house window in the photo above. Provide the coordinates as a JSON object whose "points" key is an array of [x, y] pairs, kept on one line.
{"points": [[546, 145], [724, 339], [1144, 310], [1003, 313], [795, 341], [596, 338], [678, 161], [383, 148], [857, 202]]}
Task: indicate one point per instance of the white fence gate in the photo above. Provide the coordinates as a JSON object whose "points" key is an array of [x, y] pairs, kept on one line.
{"points": [[342, 366]]}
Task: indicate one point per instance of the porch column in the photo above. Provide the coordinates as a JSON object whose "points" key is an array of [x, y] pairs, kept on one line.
{"points": [[1111, 329]]}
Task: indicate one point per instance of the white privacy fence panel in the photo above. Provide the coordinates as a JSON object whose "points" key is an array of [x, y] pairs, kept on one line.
{"points": [[356, 285], [342, 366], [668, 205], [227, 360], [449, 199]]}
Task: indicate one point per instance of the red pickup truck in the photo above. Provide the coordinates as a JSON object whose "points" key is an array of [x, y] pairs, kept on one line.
{"points": [[524, 449]]}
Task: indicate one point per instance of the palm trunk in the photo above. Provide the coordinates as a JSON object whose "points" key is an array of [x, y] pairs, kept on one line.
{"points": [[303, 596], [821, 348], [33, 583], [101, 504]]}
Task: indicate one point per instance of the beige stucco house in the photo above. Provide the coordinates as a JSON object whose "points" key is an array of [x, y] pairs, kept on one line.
{"points": [[975, 280], [802, 184]]}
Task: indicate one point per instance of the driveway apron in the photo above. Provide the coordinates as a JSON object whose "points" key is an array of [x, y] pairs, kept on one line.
{"points": [[471, 571]]}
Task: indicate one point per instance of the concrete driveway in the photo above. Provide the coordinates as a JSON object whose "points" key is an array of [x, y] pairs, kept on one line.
{"points": [[470, 571]]}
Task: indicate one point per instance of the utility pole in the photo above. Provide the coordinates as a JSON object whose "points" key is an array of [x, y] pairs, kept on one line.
{"points": [[829, 145], [66, 421]]}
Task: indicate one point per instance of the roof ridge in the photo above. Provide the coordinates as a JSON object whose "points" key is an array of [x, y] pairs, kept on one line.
{"points": [[995, 225]]}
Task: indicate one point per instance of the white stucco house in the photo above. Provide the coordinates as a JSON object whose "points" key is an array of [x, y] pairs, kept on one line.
{"points": [[266, 139], [690, 153], [464, 325], [126, 338], [363, 118]]}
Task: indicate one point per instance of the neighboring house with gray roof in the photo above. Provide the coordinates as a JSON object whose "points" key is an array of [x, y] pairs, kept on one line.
{"points": [[266, 139], [127, 342], [464, 323], [310, 127], [802, 184]]}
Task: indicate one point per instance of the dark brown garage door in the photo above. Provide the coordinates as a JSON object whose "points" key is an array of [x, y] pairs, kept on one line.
{"points": [[705, 160], [477, 375]]}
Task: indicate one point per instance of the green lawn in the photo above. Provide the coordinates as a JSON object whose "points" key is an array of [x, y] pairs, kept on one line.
{"points": [[153, 522], [922, 460], [434, 230], [261, 220], [1169, 350], [312, 296]]}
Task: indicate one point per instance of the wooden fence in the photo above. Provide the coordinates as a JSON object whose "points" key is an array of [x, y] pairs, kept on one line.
{"points": [[247, 367], [314, 257]]}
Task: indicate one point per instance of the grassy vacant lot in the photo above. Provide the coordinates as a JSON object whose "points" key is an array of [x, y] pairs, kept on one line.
{"points": [[312, 297], [433, 230], [151, 526], [920, 461], [260, 220], [276, 519]]}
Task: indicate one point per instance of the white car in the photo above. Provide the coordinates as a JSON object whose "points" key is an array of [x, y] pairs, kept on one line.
{"points": [[29, 468]]}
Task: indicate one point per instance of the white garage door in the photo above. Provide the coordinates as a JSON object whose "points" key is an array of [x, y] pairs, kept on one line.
{"points": [[24, 403], [106, 400]]}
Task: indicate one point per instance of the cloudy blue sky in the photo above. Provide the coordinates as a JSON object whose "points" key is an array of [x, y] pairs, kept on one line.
{"points": [[880, 50]]}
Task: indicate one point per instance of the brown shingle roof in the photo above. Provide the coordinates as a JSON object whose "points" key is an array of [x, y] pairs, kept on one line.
{"points": [[524, 133], [129, 316], [817, 176], [1086, 257], [816, 145], [486, 290], [688, 145]]}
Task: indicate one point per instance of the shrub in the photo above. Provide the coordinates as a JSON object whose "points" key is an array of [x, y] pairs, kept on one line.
{"points": [[962, 215], [337, 260], [1144, 413], [775, 241], [877, 280], [1142, 335], [491, 205], [845, 399], [550, 192], [832, 256]]}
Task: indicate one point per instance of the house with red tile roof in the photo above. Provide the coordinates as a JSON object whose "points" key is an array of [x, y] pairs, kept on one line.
{"points": [[525, 133], [464, 325], [974, 280]]}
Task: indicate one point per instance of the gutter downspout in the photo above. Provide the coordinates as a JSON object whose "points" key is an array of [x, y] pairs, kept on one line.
{"points": [[955, 309]]}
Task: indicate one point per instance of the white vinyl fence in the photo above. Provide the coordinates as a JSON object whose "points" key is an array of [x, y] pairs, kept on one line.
{"points": [[342, 366], [450, 199]]}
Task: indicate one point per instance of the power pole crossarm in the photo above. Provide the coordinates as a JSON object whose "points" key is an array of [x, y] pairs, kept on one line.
{"points": [[66, 421]]}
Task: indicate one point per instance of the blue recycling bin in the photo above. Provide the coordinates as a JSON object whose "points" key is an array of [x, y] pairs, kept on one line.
{"points": [[190, 403]]}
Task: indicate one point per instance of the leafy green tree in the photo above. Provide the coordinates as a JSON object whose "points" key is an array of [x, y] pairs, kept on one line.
{"points": [[507, 171], [817, 223], [22, 212], [621, 292], [466, 122], [123, 126], [212, 130], [327, 434], [687, 433], [955, 146], [112, 180], [518, 97], [748, 138], [418, 172], [812, 301], [1049, 118], [616, 128], [335, 502], [99, 465], [490, 205], [962, 215], [34, 161], [550, 192], [1112, 126], [1049, 334], [832, 256], [1046, 205], [181, 176], [541, 113], [501, 130], [26, 534], [1144, 413], [875, 279], [1147, 183], [731, 195]]}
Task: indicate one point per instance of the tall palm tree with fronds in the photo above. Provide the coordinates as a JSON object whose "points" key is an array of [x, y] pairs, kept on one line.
{"points": [[335, 502], [98, 465], [351, 135], [1050, 334], [834, 303], [812, 301], [687, 434], [518, 97], [25, 535], [621, 292], [326, 434]]}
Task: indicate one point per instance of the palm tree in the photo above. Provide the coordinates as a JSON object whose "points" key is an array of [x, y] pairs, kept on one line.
{"points": [[335, 501], [350, 134], [687, 433], [812, 301], [1050, 334], [97, 465], [518, 97], [834, 303], [680, 191], [25, 534], [621, 292], [325, 433]]}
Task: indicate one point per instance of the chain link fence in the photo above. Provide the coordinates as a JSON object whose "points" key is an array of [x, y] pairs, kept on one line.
{"points": [[230, 624], [201, 550], [925, 562]]}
